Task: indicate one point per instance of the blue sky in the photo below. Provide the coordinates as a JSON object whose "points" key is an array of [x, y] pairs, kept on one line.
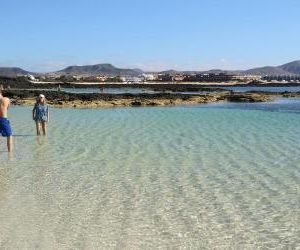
{"points": [[44, 35]]}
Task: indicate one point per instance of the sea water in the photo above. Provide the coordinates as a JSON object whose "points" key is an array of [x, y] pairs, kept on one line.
{"points": [[278, 89], [220, 176], [134, 90]]}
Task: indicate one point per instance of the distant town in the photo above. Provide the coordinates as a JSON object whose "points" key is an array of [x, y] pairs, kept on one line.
{"points": [[163, 78], [107, 73]]}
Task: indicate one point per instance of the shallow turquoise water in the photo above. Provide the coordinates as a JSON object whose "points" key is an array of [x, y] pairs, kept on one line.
{"points": [[223, 176], [263, 88], [133, 90]]}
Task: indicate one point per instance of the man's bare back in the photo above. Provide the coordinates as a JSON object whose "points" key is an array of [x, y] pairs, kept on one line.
{"points": [[4, 105]]}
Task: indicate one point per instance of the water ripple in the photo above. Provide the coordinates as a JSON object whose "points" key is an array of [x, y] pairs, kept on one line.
{"points": [[191, 178]]}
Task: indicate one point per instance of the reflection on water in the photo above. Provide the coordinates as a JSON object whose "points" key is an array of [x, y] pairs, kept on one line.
{"points": [[132, 90], [3, 182], [213, 177], [288, 105], [263, 88], [109, 90]]}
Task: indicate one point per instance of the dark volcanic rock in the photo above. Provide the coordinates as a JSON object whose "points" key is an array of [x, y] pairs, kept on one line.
{"points": [[248, 97], [62, 99], [136, 103], [19, 82]]}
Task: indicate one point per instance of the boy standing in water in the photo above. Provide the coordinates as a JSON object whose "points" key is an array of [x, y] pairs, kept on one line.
{"points": [[40, 114], [5, 128]]}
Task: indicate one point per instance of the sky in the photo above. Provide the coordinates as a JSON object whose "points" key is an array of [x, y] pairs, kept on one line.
{"points": [[48, 35]]}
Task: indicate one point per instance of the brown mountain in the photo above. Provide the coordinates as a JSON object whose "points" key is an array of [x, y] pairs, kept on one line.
{"points": [[12, 71], [292, 68], [99, 69]]}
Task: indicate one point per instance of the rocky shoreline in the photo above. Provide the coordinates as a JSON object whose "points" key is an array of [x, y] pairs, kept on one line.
{"points": [[62, 99]]}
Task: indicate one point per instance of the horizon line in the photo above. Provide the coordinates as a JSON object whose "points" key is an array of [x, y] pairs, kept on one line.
{"points": [[140, 68]]}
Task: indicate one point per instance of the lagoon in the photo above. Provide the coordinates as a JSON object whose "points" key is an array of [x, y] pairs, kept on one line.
{"points": [[145, 90], [208, 176]]}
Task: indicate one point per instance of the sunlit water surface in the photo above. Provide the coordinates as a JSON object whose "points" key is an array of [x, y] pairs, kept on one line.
{"points": [[263, 88], [223, 176], [134, 90]]}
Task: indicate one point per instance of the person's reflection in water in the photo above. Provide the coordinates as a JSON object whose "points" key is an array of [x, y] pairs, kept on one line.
{"points": [[40, 150], [43, 177], [39, 140], [10, 156], [4, 175]]}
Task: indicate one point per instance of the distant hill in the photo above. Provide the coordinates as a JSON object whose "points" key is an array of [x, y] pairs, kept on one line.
{"points": [[169, 72], [189, 72], [12, 71], [292, 67], [99, 69], [266, 71]]}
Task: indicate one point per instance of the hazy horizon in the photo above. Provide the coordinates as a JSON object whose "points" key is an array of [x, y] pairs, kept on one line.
{"points": [[144, 70]]}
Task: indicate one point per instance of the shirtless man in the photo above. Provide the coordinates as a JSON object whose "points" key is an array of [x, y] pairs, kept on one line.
{"points": [[5, 128]]}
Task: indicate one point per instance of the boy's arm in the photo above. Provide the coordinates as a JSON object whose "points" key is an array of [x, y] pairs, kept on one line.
{"points": [[48, 114]]}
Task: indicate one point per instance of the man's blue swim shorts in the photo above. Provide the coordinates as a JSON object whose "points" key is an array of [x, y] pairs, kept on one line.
{"points": [[5, 128]]}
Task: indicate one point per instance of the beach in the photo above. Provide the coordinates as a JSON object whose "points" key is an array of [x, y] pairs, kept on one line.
{"points": [[160, 125]]}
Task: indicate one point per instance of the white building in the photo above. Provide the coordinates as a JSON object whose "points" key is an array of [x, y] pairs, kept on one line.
{"points": [[31, 77], [149, 77], [131, 79]]}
